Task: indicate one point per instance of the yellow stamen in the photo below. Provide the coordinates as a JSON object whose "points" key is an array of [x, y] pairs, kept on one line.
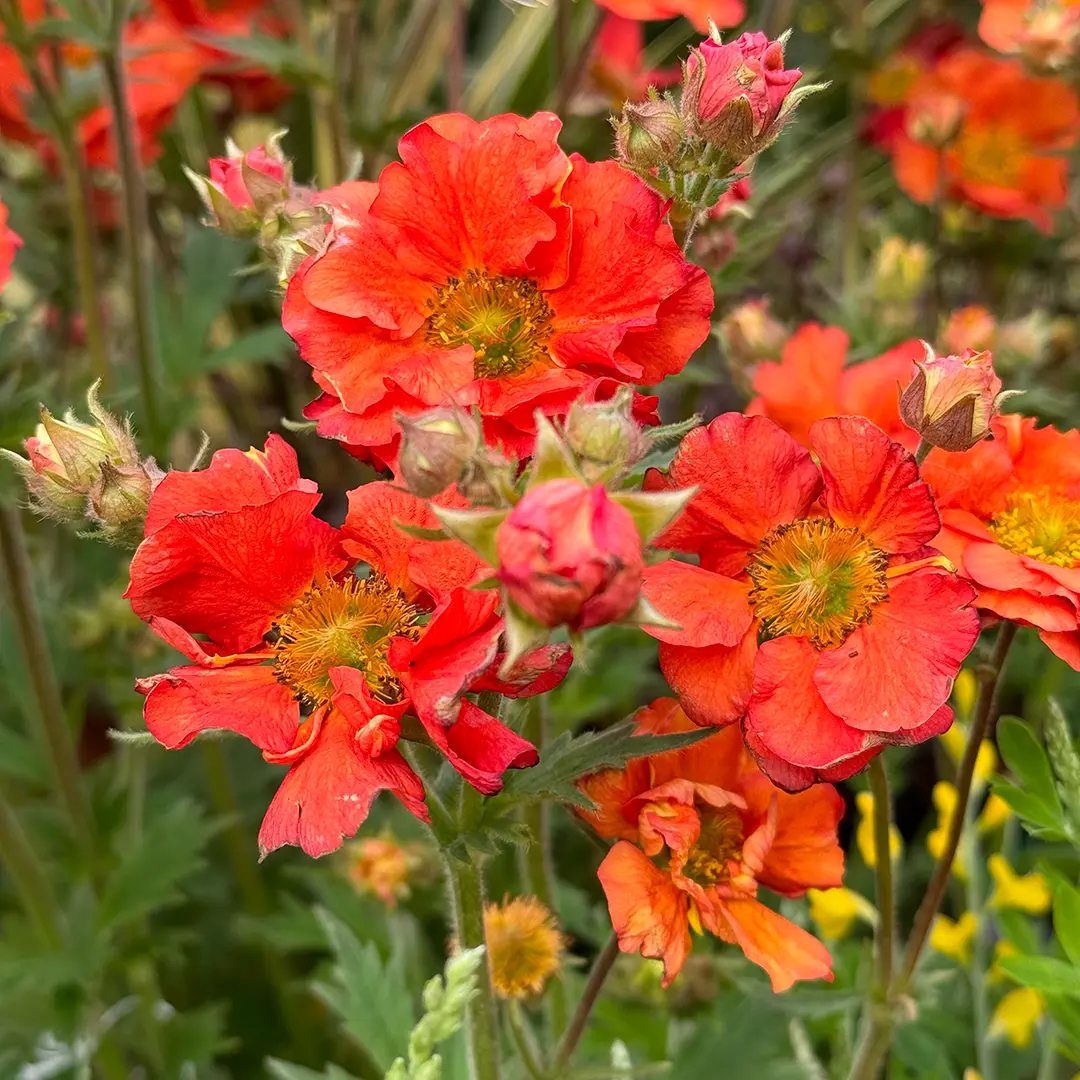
{"points": [[816, 579], [506, 320], [991, 155], [347, 623], [1042, 525], [523, 944], [720, 841]]}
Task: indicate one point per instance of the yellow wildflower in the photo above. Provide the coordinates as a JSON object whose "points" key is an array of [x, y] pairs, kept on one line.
{"points": [[1029, 892], [524, 947], [1017, 1015], [995, 812], [965, 691], [383, 866], [1002, 949], [972, 1074], [864, 832], [986, 761], [954, 939], [945, 799], [835, 911]]}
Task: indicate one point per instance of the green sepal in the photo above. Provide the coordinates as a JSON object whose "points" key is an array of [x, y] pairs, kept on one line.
{"points": [[653, 511], [644, 614], [420, 533], [552, 458], [522, 633], [476, 528]]}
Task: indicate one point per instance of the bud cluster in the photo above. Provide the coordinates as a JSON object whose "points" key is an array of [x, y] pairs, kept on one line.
{"points": [[252, 194], [89, 473], [736, 99]]}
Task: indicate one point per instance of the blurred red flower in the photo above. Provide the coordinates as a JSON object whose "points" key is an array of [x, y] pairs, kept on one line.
{"points": [[1010, 515], [313, 664], [617, 66], [1045, 32], [817, 616], [489, 269], [724, 830], [1001, 158], [10, 242], [812, 380], [722, 12]]}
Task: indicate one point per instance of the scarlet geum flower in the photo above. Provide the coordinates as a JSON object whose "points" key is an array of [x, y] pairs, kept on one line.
{"points": [[952, 399], [10, 242], [1044, 32], [383, 866], [698, 832], [617, 72], [701, 13], [970, 327]]}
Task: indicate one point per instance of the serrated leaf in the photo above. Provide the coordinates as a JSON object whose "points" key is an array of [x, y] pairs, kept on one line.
{"points": [[372, 997], [570, 757], [1043, 973], [149, 874]]}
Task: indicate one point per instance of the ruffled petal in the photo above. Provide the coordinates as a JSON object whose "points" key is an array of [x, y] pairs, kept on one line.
{"points": [[327, 794], [648, 912], [709, 608], [796, 778], [805, 853], [895, 671], [787, 714], [873, 484], [186, 701], [714, 684], [1064, 646]]}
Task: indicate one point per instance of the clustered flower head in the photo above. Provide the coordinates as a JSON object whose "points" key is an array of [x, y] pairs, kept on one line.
{"points": [[524, 946]]}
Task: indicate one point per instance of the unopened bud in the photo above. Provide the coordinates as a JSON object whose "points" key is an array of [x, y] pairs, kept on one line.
{"points": [[119, 499], [751, 335], [900, 270], [1050, 36], [648, 134], [605, 436], [436, 445], [952, 399], [935, 117]]}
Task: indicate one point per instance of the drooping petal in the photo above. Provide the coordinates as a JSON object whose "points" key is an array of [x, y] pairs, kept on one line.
{"points": [[873, 484], [1065, 646], [787, 713], [327, 794], [895, 671], [186, 701], [537, 672], [710, 609], [714, 684], [804, 853], [648, 912]]}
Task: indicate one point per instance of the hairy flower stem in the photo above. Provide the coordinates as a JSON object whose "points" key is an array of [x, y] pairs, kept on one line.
{"points": [[467, 891], [136, 225], [879, 785], [879, 1034], [975, 897], [523, 1042], [45, 692], [600, 971], [76, 188]]}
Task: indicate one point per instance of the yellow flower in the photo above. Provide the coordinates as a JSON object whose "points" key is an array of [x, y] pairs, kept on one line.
{"points": [[382, 865], [524, 947], [835, 911], [972, 1074], [1017, 1015], [864, 832], [965, 691], [1002, 949], [954, 939], [995, 812], [954, 741], [1029, 892], [945, 800]]}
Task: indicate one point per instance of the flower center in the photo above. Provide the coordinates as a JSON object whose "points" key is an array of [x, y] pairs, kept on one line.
{"points": [[816, 579], [506, 320], [347, 623], [1042, 525], [991, 155], [708, 861]]}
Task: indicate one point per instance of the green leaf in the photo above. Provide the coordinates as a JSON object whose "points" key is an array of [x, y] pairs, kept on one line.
{"points": [[149, 874], [371, 997], [1043, 973], [1040, 818], [286, 1070], [1067, 919], [1027, 760], [269, 344], [20, 759], [570, 757]]}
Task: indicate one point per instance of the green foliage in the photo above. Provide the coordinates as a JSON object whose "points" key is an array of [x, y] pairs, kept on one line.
{"points": [[1034, 798]]}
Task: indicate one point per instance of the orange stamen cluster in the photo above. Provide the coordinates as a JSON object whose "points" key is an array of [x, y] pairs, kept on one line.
{"points": [[816, 579], [506, 320], [1042, 525], [524, 946], [991, 155], [346, 623], [709, 861]]}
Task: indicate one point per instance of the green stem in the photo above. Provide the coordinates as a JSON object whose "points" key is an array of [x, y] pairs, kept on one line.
{"points": [[523, 1042], [31, 882], [136, 229], [51, 723], [76, 189], [574, 69], [879, 785], [922, 451], [985, 1050], [467, 892], [851, 261], [600, 971]]}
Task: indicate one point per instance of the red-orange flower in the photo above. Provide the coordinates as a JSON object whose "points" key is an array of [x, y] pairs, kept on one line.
{"points": [[10, 242], [1046, 32], [312, 663], [817, 615], [1010, 515], [812, 381], [723, 830], [617, 66], [1002, 159], [699, 12], [487, 268]]}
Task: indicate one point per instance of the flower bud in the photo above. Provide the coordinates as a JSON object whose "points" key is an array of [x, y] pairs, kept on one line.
{"points": [[1050, 36], [569, 555], [738, 96], [900, 270], [952, 399], [119, 499], [436, 446], [934, 116], [605, 436], [751, 334], [648, 134]]}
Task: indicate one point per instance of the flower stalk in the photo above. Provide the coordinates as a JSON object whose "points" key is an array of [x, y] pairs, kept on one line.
{"points": [[879, 785], [600, 970]]}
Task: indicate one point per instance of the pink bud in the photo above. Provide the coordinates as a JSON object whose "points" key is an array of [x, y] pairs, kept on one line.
{"points": [[233, 177], [570, 555]]}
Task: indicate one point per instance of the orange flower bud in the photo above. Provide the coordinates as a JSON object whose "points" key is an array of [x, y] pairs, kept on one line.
{"points": [[952, 399], [648, 134]]}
